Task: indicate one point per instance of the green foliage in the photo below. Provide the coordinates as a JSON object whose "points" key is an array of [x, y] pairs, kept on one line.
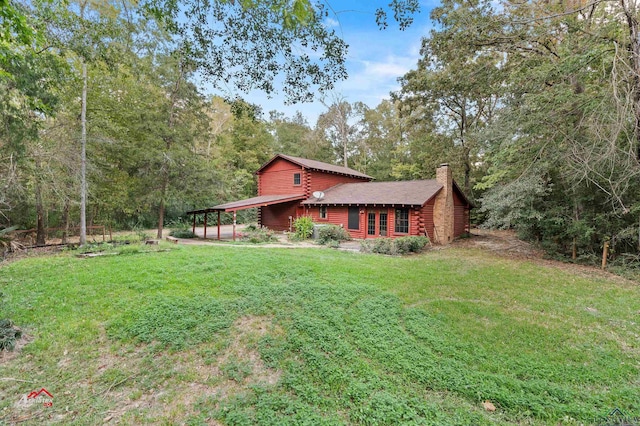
{"points": [[9, 334], [182, 233], [6, 242], [173, 321], [303, 227], [395, 246], [333, 244], [330, 233], [257, 234]]}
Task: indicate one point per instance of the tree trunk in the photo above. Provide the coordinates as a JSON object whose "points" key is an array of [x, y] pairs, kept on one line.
{"points": [[634, 59], [167, 168], [40, 228], [83, 172], [65, 221], [163, 195]]}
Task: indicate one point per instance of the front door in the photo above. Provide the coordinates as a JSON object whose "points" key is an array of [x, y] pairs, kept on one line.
{"points": [[382, 226]]}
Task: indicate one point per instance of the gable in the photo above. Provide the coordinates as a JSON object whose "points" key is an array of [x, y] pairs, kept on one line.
{"points": [[312, 165]]}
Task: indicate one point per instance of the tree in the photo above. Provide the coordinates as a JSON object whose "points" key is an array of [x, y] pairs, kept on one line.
{"points": [[459, 86], [567, 114], [339, 125], [248, 43]]}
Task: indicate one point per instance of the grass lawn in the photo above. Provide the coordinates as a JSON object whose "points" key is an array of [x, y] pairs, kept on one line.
{"points": [[243, 336]]}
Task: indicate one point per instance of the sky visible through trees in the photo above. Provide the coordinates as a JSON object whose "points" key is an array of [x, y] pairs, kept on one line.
{"points": [[535, 105]]}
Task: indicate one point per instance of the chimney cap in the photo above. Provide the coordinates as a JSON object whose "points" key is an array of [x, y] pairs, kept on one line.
{"points": [[443, 165]]}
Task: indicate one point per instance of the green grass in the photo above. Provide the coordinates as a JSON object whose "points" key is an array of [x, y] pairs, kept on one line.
{"points": [[249, 336]]}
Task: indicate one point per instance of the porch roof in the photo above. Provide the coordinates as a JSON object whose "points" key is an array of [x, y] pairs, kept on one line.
{"points": [[261, 201]]}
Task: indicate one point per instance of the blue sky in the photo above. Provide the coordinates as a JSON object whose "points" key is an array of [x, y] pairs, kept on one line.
{"points": [[376, 58]]}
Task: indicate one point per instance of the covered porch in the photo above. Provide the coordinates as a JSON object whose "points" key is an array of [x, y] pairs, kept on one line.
{"points": [[233, 207]]}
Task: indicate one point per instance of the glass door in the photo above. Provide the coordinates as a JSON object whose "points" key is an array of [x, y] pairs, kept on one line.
{"points": [[371, 223], [383, 224]]}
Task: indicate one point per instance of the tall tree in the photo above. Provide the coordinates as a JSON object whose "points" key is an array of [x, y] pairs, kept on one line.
{"points": [[340, 125]]}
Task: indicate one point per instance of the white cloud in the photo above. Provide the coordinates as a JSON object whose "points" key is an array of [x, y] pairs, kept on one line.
{"points": [[331, 23]]}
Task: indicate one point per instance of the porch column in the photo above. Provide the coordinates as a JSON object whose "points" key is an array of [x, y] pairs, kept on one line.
{"points": [[205, 225], [218, 225], [234, 225]]}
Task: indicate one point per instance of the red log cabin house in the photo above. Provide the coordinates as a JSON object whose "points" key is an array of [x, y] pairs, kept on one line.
{"points": [[290, 187]]}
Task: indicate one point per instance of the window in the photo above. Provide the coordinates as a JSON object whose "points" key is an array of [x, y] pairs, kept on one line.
{"points": [[296, 179], [371, 224], [402, 221], [354, 218], [323, 212]]}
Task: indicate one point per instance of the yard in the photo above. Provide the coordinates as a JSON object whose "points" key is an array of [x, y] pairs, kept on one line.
{"points": [[242, 335]]}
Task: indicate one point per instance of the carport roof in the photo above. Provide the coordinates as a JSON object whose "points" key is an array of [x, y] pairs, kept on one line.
{"points": [[261, 201]]}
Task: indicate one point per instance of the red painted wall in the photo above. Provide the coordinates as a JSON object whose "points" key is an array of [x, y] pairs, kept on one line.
{"points": [[461, 215], [426, 217], [277, 179], [339, 215], [276, 216], [319, 181]]}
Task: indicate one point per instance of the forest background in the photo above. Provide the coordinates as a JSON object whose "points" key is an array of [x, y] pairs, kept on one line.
{"points": [[536, 105]]}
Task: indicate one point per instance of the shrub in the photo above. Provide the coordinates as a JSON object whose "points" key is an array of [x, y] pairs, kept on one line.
{"points": [[385, 246], [182, 233], [413, 244], [9, 334], [304, 227], [333, 244], [257, 234], [331, 233], [393, 247]]}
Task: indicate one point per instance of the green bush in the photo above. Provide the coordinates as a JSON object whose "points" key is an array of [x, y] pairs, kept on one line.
{"points": [[333, 244], [413, 244], [330, 233], [9, 334], [182, 233], [304, 227], [257, 234], [393, 247]]}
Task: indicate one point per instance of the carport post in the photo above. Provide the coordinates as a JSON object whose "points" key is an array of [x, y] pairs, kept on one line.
{"points": [[205, 225], [194, 223], [218, 225], [234, 225]]}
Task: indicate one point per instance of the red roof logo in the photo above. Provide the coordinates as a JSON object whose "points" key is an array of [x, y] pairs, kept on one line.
{"points": [[42, 392]]}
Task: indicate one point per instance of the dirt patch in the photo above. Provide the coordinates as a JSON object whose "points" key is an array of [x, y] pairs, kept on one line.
{"points": [[7, 356], [505, 243]]}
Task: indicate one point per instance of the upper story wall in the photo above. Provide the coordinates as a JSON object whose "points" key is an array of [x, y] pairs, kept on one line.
{"points": [[323, 180], [278, 178]]}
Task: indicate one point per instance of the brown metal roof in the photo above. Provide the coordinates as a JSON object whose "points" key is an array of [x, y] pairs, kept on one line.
{"points": [[318, 165], [261, 201], [408, 193]]}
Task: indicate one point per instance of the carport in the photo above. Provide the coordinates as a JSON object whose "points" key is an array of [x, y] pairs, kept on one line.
{"points": [[261, 201]]}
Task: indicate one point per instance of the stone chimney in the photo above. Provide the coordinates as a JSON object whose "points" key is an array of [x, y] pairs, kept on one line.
{"points": [[443, 210]]}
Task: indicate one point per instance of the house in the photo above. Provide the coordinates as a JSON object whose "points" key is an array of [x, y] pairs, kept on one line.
{"points": [[290, 187]]}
